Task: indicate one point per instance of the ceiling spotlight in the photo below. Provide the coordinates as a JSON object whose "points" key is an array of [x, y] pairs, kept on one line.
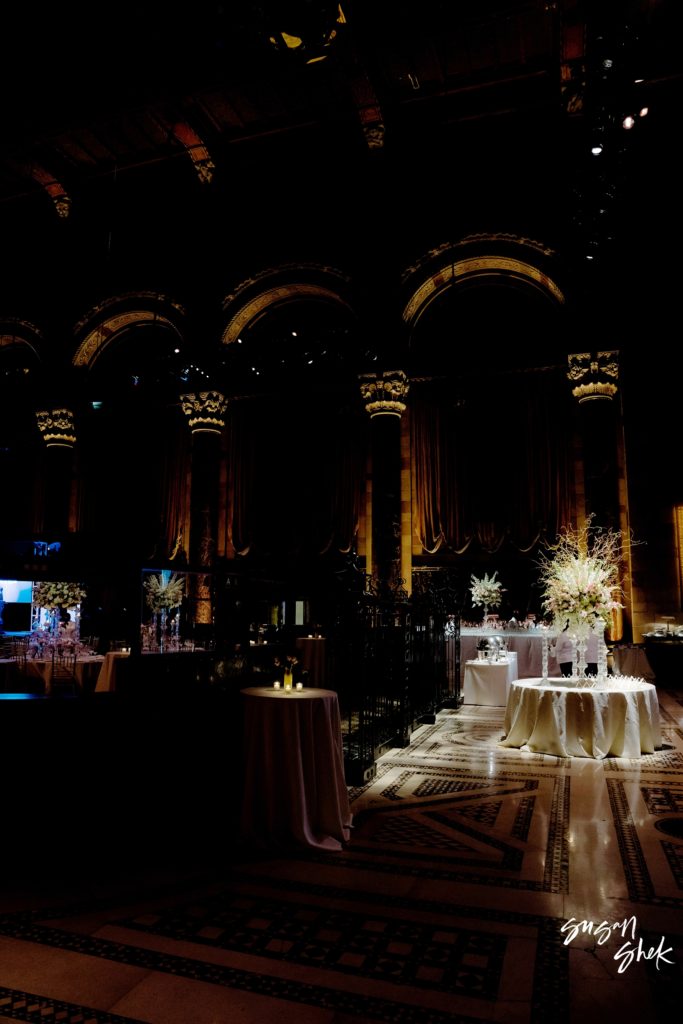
{"points": [[294, 334], [176, 350], [597, 149], [644, 111], [628, 122]]}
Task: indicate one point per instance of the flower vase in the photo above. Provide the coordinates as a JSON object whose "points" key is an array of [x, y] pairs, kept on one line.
{"points": [[602, 655], [580, 641], [486, 615], [162, 636], [545, 643]]}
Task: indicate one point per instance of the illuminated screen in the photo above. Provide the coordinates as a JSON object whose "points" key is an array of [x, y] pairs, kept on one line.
{"points": [[16, 591]]}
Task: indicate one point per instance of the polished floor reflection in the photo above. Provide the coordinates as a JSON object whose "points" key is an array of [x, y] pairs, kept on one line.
{"points": [[480, 884]]}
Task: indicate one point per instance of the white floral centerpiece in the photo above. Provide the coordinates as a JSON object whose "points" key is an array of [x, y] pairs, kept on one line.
{"points": [[164, 591], [53, 595], [486, 591], [581, 583]]}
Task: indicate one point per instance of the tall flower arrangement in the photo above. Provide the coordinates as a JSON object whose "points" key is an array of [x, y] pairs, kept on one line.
{"points": [[163, 593], [581, 579], [486, 591], [52, 595]]}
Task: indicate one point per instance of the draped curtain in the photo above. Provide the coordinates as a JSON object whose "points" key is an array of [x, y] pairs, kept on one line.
{"points": [[492, 463], [295, 475]]}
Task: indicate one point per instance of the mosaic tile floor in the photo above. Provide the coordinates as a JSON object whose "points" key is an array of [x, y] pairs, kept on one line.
{"points": [[481, 884]]}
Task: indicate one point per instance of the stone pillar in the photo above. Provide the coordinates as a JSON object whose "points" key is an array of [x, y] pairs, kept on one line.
{"points": [[594, 377], [205, 412], [384, 394], [57, 428]]}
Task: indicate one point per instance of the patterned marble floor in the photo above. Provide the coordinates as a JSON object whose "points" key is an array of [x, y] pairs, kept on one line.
{"points": [[481, 884]]}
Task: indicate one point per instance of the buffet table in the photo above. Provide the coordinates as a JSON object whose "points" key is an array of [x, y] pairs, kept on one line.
{"points": [[488, 682], [614, 719], [294, 786], [525, 643]]}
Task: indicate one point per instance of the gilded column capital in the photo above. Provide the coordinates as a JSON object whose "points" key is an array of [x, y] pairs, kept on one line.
{"points": [[384, 393], [205, 411], [593, 374], [57, 427]]}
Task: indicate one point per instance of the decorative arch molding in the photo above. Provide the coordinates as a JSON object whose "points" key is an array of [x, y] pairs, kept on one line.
{"points": [[274, 286], [105, 322], [15, 333], [520, 260]]}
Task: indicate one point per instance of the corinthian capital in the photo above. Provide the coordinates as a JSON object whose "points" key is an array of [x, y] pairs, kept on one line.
{"points": [[593, 374], [384, 393], [205, 411], [56, 427]]}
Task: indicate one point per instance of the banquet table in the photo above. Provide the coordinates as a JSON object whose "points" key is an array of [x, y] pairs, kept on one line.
{"points": [[86, 671], [488, 682], [106, 681], [294, 786], [611, 719]]}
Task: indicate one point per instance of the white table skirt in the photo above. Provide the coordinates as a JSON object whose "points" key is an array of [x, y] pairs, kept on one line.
{"points": [[294, 789], [526, 644], [632, 661], [616, 720], [488, 682]]}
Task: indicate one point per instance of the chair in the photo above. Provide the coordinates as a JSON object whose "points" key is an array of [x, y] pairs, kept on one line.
{"points": [[63, 681]]}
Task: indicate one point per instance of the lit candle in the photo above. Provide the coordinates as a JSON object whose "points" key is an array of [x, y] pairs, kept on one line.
{"points": [[288, 679], [299, 686], [276, 685]]}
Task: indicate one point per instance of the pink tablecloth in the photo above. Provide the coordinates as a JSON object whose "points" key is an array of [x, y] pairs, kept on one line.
{"points": [[294, 790]]}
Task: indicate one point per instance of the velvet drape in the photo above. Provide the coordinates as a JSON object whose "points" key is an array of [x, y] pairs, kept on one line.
{"points": [[492, 463]]}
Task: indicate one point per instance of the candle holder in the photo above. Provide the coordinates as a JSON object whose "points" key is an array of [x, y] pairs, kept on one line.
{"points": [[288, 680], [299, 686], [276, 685]]}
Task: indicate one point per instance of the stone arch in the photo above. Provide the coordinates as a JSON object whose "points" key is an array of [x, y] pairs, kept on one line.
{"points": [[104, 323], [273, 287], [479, 258], [18, 334]]}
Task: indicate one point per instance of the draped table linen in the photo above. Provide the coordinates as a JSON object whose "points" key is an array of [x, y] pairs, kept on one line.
{"points": [[488, 682], [631, 660], [608, 720], [106, 682], [294, 786], [312, 652], [86, 670], [525, 643]]}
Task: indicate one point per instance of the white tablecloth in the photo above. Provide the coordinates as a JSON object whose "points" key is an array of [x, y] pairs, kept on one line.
{"points": [[86, 670], [294, 788], [618, 720], [525, 643], [488, 682], [106, 682], [632, 661]]}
